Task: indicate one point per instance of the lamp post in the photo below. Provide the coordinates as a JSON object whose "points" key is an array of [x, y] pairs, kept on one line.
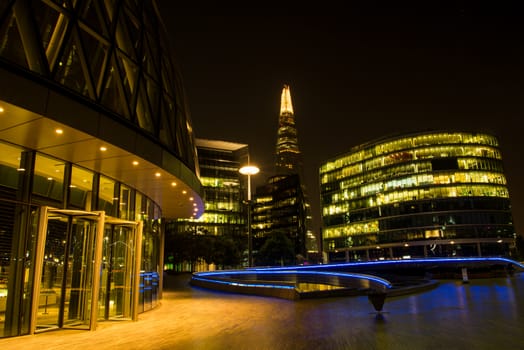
{"points": [[249, 170]]}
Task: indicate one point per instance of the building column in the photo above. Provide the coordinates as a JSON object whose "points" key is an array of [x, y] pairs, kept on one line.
{"points": [[479, 251]]}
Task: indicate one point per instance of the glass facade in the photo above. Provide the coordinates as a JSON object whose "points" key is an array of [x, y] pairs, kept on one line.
{"points": [[69, 244], [428, 194], [225, 212], [97, 148], [279, 215], [111, 53]]}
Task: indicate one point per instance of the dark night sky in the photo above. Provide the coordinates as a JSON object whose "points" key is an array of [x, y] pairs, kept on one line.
{"points": [[356, 72]]}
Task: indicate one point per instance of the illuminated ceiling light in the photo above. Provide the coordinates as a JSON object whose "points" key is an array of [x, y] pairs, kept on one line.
{"points": [[103, 148], [499, 241], [378, 247], [50, 178], [20, 169], [135, 162], [194, 204], [72, 186], [452, 242], [157, 174], [173, 184], [191, 198], [184, 191], [59, 131], [2, 109], [406, 245]]}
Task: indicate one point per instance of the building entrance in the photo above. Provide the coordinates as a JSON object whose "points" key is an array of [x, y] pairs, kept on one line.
{"points": [[120, 270], [87, 267], [67, 254]]}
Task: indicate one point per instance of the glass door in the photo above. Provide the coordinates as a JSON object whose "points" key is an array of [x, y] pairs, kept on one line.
{"points": [[120, 270], [67, 258]]}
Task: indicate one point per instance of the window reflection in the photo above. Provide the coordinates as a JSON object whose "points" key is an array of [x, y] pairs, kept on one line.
{"points": [[81, 188], [49, 177], [9, 165]]}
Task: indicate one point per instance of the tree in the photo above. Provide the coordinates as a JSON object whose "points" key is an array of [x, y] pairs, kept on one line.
{"points": [[225, 252], [188, 247], [278, 249]]}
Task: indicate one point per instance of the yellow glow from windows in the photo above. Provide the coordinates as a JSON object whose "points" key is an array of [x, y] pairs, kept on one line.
{"points": [[354, 229], [341, 205]]}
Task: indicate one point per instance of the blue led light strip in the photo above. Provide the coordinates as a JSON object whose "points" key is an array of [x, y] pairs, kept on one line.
{"points": [[225, 277], [392, 262], [241, 284]]}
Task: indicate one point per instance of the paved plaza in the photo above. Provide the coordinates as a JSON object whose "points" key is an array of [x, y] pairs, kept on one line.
{"points": [[483, 314]]}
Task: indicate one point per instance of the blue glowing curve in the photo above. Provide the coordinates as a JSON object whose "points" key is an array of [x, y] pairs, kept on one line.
{"points": [[227, 277], [231, 273], [393, 262]]}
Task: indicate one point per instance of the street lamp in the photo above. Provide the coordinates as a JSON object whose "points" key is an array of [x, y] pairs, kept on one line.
{"points": [[249, 170]]}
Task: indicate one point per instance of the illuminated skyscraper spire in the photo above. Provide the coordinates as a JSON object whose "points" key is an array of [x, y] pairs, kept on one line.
{"points": [[289, 162], [288, 157]]}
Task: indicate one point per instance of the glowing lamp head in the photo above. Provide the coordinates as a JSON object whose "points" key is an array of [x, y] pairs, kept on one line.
{"points": [[249, 170]]}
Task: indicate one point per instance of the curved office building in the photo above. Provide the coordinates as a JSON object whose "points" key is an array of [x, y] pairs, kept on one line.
{"points": [[417, 195], [96, 149]]}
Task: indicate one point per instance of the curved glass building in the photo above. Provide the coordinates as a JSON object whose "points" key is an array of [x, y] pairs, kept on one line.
{"points": [[417, 195], [97, 149]]}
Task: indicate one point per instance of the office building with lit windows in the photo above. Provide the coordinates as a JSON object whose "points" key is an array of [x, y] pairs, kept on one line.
{"points": [[417, 195], [279, 216], [224, 218], [97, 149]]}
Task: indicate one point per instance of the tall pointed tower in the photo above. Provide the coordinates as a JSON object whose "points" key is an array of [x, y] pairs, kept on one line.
{"points": [[288, 157], [288, 208]]}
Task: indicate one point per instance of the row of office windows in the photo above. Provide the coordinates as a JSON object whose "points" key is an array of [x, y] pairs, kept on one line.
{"points": [[343, 206], [479, 143], [421, 173], [457, 158], [417, 234], [422, 221], [440, 178]]}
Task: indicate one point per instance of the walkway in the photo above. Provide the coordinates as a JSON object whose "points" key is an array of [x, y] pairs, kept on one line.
{"points": [[484, 314]]}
